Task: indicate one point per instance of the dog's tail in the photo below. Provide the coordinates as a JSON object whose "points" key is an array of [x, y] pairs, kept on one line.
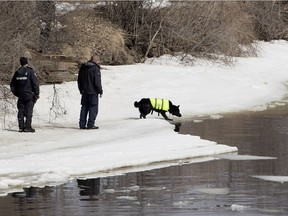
{"points": [[136, 104]]}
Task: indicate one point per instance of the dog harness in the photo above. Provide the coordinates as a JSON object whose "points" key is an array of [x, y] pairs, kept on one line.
{"points": [[159, 104]]}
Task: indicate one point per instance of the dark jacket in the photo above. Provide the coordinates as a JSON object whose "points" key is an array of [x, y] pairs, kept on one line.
{"points": [[89, 79], [24, 84]]}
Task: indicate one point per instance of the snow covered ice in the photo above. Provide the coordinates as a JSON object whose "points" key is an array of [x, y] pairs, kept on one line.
{"points": [[59, 151]]}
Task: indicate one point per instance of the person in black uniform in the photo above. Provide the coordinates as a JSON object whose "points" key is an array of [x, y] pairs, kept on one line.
{"points": [[89, 85], [25, 86]]}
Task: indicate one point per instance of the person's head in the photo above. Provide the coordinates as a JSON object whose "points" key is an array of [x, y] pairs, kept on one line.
{"points": [[23, 61], [96, 58]]}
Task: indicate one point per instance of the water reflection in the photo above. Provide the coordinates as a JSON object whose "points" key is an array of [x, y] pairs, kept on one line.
{"points": [[26, 196], [89, 188]]}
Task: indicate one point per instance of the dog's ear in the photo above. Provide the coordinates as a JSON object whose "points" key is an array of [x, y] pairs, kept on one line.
{"points": [[178, 106]]}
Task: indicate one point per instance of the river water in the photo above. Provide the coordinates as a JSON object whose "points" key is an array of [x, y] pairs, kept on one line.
{"points": [[219, 187]]}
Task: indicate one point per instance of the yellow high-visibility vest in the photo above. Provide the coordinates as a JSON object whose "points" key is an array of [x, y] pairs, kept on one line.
{"points": [[160, 104]]}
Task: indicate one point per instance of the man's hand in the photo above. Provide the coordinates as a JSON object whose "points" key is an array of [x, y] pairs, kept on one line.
{"points": [[36, 97]]}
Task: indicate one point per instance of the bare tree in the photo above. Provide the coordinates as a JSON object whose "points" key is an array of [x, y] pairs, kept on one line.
{"points": [[58, 108], [208, 28], [46, 11], [270, 19], [199, 28], [7, 105], [19, 30]]}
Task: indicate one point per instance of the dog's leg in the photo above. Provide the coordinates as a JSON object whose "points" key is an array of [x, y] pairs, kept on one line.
{"points": [[165, 116]]}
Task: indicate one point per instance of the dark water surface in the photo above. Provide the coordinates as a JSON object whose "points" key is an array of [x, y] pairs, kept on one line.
{"points": [[221, 187]]}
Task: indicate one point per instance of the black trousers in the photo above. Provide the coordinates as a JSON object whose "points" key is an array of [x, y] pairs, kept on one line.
{"points": [[89, 108], [25, 112]]}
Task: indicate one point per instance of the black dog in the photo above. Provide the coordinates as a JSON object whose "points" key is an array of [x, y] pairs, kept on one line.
{"points": [[146, 105]]}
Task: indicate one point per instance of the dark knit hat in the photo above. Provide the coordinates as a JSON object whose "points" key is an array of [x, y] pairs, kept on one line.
{"points": [[23, 61]]}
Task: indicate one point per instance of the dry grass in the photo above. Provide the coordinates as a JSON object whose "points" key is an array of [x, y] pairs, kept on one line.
{"points": [[96, 35]]}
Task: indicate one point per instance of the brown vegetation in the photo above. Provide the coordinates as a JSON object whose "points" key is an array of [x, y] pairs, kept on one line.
{"points": [[18, 26], [221, 29], [269, 18], [213, 29], [123, 32], [95, 35]]}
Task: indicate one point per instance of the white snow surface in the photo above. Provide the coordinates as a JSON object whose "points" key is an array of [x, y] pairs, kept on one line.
{"points": [[58, 151]]}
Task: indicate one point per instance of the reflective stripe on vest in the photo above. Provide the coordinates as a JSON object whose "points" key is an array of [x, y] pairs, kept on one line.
{"points": [[159, 104]]}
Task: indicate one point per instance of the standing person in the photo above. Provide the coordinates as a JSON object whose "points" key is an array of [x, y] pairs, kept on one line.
{"points": [[89, 85], [25, 86]]}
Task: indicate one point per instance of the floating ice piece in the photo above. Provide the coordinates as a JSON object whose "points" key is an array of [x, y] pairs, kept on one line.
{"points": [[281, 179], [127, 198], [109, 191], [216, 191], [236, 207], [134, 188], [197, 120], [215, 116], [243, 157]]}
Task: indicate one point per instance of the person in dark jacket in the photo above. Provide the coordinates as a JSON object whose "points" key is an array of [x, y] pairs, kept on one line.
{"points": [[25, 86], [90, 87]]}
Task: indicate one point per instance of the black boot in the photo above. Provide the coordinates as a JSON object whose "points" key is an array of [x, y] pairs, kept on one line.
{"points": [[31, 130], [28, 127]]}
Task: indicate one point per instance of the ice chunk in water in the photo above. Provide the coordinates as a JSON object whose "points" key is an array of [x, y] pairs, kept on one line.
{"points": [[243, 157], [236, 207], [281, 179], [216, 191]]}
